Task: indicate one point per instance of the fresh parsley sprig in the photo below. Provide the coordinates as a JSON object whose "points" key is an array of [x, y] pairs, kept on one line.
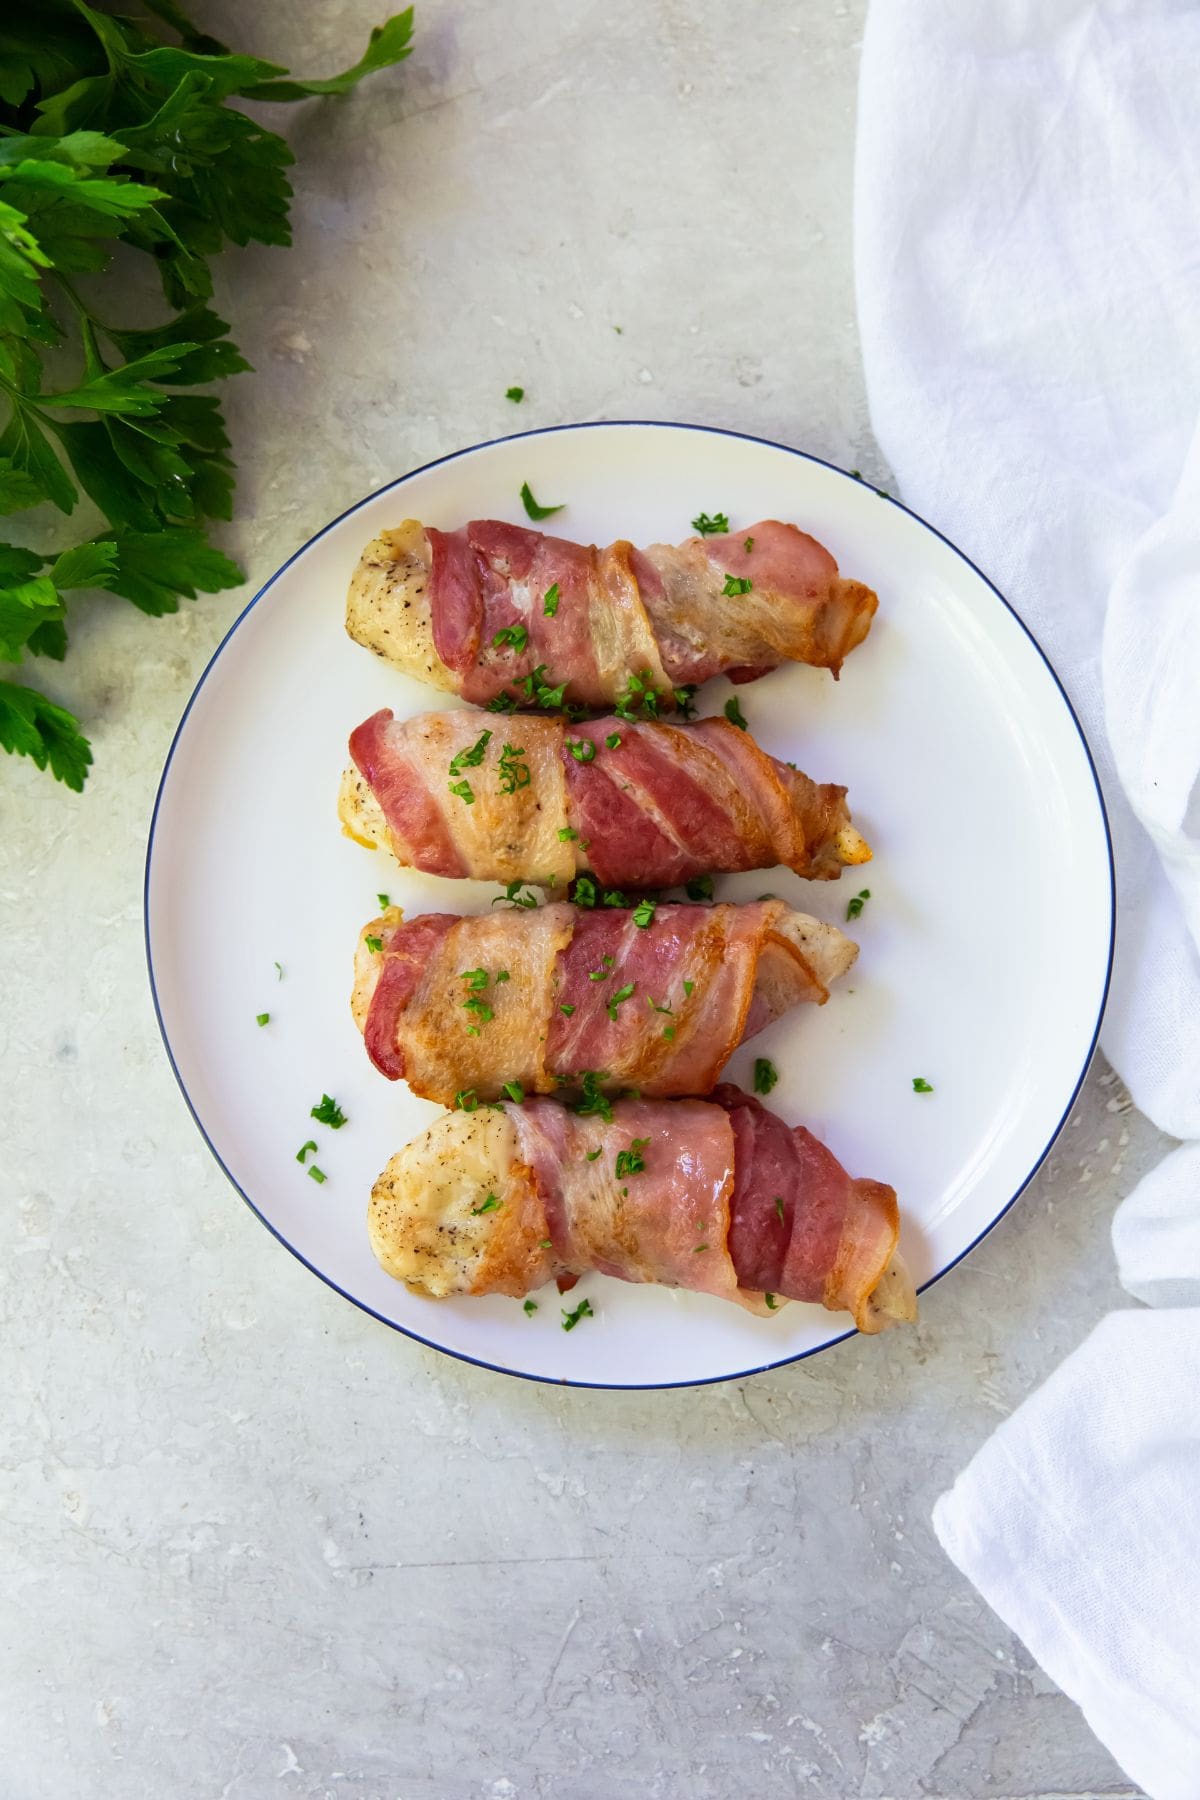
{"points": [[110, 136]]}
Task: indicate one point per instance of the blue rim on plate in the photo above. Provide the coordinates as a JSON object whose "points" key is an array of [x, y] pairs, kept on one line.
{"points": [[547, 431]]}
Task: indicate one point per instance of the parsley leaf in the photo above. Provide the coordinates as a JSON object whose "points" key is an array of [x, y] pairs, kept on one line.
{"points": [[855, 906], [735, 715], [700, 888], [512, 1090], [631, 1161], [374, 944], [583, 891], [619, 998], [582, 749], [304, 1149], [263, 1018], [514, 635], [531, 506], [550, 602], [735, 585], [644, 911], [31, 725], [513, 894], [515, 394], [328, 1112], [593, 1100], [715, 526], [491, 1204], [530, 1308], [921, 1086], [765, 1075], [571, 1319]]}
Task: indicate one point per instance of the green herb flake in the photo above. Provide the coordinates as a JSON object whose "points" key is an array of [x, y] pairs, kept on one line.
{"points": [[582, 749], [466, 1100], [619, 998], [279, 971], [515, 897], [475, 1003], [529, 1308], [263, 1018], [583, 892], [516, 636], [551, 600], [854, 907], [684, 697], [546, 1244], [643, 912], [571, 1319], [699, 1248], [532, 509], [921, 1086], [734, 713], [474, 978], [515, 394], [384, 903], [668, 1032], [613, 740], [779, 1208], [304, 1149], [491, 1204], [735, 585], [567, 834], [593, 1155], [765, 1075], [771, 1301], [374, 944], [614, 897], [512, 1090], [317, 1175], [594, 1100], [748, 545], [687, 989], [701, 888], [514, 773], [502, 975], [463, 790], [328, 1112], [710, 526], [631, 1161], [567, 1008], [502, 703]]}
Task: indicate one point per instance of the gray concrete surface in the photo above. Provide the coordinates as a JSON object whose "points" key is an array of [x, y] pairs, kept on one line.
{"points": [[253, 1543]]}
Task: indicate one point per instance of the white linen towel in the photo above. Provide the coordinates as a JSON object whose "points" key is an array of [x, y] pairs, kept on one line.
{"points": [[1027, 225]]}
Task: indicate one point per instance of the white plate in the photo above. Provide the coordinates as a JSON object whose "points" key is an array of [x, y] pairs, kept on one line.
{"points": [[986, 942]]}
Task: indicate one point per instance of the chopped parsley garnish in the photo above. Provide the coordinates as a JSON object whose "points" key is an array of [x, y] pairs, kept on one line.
{"points": [[538, 693], [516, 635], [748, 545], [384, 903], [533, 510], [699, 1248], [529, 1308], [655, 1006], [571, 1319], [514, 773], [644, 911], [710, 527], [855, 906], [513, 894], [466, 1100], [583, 893], [464, 791], [735, 585], [619, 998], [771, 1301], [603, 972], [328, 1112], [613, 740], [512, 1090], [551, 600], [687, 988], [567, 1008], [734, 713], [684, 697], [582, 749], [374, 944], [279, 971], [502, 703], [921, 1086], [614, 897], [765, 1075], [515, 394], [592, 1155], [315, 1174], [474, 978], [263, 1018], [700, 889], [491, 1204], [631, 1161], [545, 1243], [304, 1149], [779, 1207], [593, 1100], [475, 1003], [471, 759], [668, 1032], [502, 975], [640, 693], [567, 834]]}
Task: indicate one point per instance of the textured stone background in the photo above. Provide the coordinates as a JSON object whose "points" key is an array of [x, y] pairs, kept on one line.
{"points": [[252, 1542]]}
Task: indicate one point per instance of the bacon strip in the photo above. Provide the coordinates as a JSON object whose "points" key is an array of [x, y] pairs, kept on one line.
{"points": [[470, 1004], [433, 602], [720, 1198], [659, 806]]}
